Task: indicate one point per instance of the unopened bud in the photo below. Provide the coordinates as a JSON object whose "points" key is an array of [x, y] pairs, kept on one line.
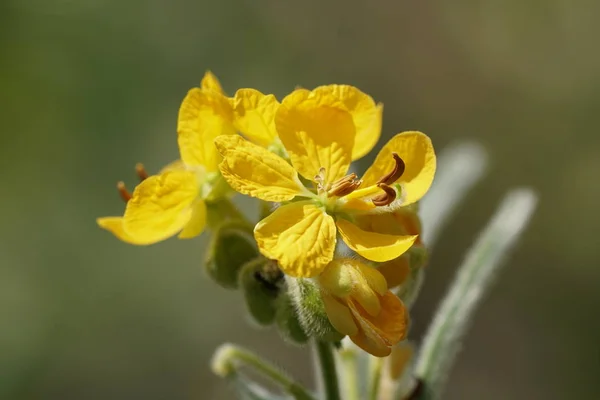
{"points": [[261, 282], [311, 311], [288, 322], [229, 249]]}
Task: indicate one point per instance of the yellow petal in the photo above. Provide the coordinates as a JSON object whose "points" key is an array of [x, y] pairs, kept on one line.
{"points": [[374, 278], [365, 114], [197, 222], [254, 115], [316, 132], [176, 165], [339, 315], [255, 171], [395, 271], [371, 245], [378, 334], [203, 116], [115, 226], [300, 236], [344, 278], [417, 152], [210, 82], [160, 206]]}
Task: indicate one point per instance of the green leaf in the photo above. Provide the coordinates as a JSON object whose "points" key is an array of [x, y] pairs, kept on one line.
{"points": [[444, 336]]}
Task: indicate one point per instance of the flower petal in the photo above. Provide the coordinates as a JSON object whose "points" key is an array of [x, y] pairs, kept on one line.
{"points": [[345, 278], [378, 334], [395, 271], [417, 152], [254, 115], [255, 171], [203, 116], [339, 315], [210, 82], [371, 245], [300, 236], [115, 226], [365, 114], [317, 132], [197, 222], [160, 206]]}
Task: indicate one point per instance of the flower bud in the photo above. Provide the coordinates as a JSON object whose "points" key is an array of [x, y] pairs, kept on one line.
{"points": [[288, 321], [261, 282], [311, 311], [229, 249]]}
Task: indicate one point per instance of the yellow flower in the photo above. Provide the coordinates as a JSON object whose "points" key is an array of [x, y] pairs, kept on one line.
{"points": [[321, 133], [174, 201], [358, 304]]}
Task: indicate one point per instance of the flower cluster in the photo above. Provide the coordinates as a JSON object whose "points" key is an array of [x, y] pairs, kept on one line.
{"points": [[294, 156]]}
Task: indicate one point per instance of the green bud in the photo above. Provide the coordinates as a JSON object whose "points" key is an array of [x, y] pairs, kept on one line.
{"points": [[261, 282], [288, 322], [311, 310], [230, 248]]}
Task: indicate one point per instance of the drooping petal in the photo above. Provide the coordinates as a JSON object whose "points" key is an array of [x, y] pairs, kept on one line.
{"points": [[254, 115], [345, 278], [115, 226], [160, 206], [210, 82], [203, 116], [197, 222], [417, 152], [317, 132], [339, 315], [371, 245], [365, 113], [255, 171], [376, 335], [300, 236]]}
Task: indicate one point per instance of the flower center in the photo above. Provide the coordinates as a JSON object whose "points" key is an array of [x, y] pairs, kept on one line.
{"points": [[338, 188]]}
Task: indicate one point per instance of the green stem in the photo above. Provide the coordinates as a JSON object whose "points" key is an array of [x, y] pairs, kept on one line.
{"points": [[228, 358], [350, 365], [329, 378], [375, 372]]}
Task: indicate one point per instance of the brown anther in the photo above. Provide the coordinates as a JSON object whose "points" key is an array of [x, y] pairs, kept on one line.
{"points": [[141, 171], [344, 186], [386, 198], [396, 172], [123, 192]]}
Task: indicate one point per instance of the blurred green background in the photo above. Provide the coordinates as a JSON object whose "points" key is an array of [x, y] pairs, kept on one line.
{"points": [[89, 88]]}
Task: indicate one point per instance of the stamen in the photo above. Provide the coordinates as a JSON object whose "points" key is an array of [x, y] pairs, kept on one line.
{"points": [[386, 198], [320, 179], [141, 171], [123, 192], [396, 173], [344, 186]]}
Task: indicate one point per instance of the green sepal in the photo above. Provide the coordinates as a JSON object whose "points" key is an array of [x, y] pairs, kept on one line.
{"points": [[288, 322], [231, 246], [261, 282], [311, 311]]}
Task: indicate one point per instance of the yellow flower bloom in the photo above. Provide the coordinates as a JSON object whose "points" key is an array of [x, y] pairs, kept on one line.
{"points": [[319, 132], [174, 200], [358, 304]]}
